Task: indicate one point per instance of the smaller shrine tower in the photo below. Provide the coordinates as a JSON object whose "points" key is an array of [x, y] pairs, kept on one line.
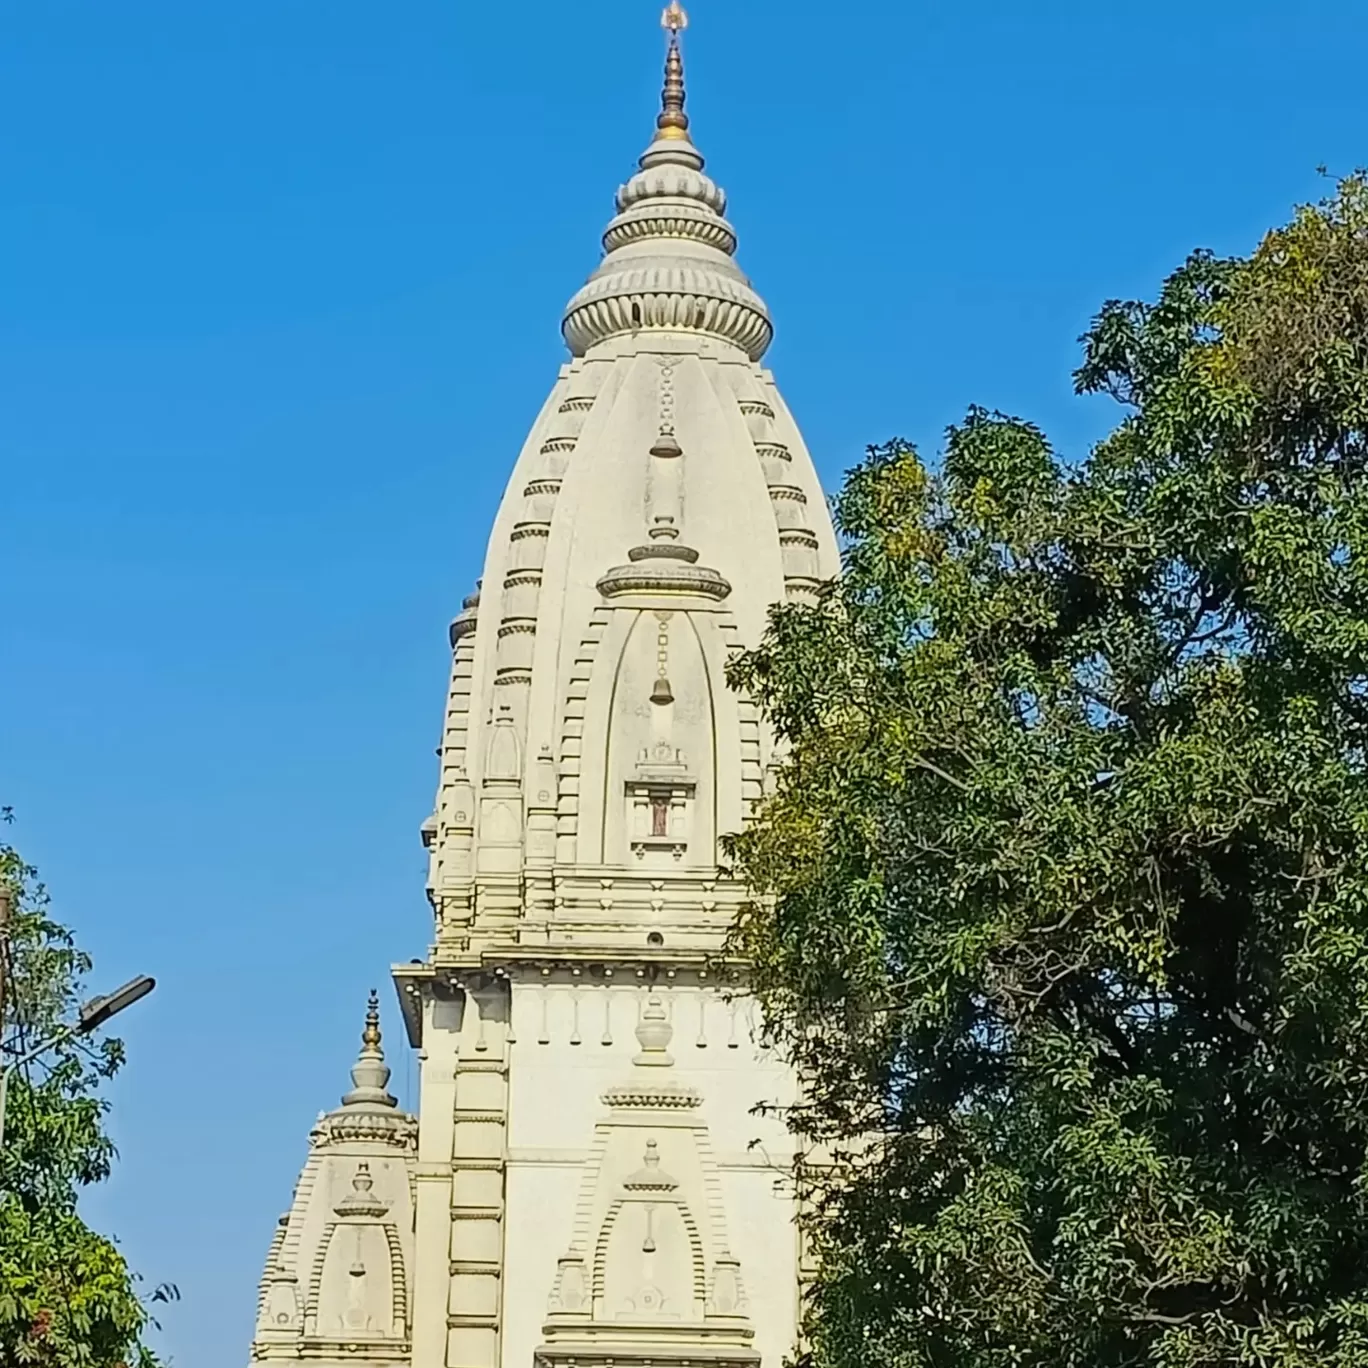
{"points": [[338, 1283]]}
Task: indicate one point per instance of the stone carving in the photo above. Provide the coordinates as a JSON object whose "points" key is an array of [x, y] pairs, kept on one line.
{"points": [[362, 1200], [655, 1252]]}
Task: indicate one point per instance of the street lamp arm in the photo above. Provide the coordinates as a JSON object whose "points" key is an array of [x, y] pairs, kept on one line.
{"points": [[50, 1043], [60, 1038]]}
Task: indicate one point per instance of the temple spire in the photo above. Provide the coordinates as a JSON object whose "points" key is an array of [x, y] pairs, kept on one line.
{"points": [[673, 122], [370, 1074]]}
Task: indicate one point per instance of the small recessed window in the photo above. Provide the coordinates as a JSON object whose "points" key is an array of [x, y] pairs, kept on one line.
{"points": [[655, 938]]}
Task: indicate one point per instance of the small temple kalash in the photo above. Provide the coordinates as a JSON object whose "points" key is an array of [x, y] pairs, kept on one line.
{"points": [[588, 1181]]}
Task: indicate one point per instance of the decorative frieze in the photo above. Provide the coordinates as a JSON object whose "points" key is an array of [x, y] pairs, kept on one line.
{"points": [[594, 1007]]}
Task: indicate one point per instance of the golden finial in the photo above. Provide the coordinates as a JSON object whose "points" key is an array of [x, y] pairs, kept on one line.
{"points": [[673, 122], [370, 1037]]}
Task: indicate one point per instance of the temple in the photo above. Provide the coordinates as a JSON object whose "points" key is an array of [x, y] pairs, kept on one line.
{"points": [[599, 1172]]}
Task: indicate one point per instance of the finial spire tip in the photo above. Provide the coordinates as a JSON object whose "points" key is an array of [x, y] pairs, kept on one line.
{"points": [[673, 122], [370, 1074], [370, 1037]]}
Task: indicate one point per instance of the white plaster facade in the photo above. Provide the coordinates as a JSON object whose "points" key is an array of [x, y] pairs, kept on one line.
{"points": [[589, 1180]]}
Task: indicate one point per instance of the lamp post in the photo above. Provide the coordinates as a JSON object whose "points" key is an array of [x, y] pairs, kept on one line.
{"points": [[92, 1016]]}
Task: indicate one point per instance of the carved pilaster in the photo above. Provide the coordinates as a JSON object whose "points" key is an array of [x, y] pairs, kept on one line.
{"points": [[478, 1162]]}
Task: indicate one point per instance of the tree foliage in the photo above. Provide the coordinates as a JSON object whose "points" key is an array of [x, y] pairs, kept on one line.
{"points": [[67, 1297], [1066, 884]]}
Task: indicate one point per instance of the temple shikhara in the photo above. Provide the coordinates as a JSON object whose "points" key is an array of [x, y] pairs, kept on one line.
{"points": [[593, 1177]]}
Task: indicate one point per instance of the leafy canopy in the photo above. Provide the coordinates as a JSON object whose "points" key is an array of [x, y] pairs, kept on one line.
{"points": [[67, 1297], [1066, 893]]}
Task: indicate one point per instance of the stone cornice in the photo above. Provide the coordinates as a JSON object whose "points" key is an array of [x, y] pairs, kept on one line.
{"points": [[652, 1097], [395, 1131]]}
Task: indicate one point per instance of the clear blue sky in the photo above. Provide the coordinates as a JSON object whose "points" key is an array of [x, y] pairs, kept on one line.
{"points": [[279, 293]]}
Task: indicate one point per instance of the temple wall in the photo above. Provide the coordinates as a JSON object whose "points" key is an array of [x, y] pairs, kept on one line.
{"points": [[556, 1102]]}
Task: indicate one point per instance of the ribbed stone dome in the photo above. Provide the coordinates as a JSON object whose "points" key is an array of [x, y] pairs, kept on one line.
{"points": [[668, 253], [668, 291], [672, 172]]}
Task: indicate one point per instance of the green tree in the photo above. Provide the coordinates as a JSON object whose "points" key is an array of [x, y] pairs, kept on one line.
{"points": [[1065, 875], [67, 1297]]}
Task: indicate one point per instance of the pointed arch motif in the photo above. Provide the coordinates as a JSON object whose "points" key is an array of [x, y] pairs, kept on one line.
{"points": [[697, 1254], [399, 1290], [572, 735], [316, 1278]]}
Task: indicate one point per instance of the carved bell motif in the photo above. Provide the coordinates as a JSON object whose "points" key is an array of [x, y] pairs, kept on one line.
{"points": [[662, 693]]}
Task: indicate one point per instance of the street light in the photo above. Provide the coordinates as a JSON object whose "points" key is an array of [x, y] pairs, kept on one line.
{"points": [[90, 1018], [98, 1010]]}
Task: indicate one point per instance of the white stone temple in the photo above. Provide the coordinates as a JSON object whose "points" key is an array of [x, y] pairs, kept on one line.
{"points": [[593, 1178]]}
